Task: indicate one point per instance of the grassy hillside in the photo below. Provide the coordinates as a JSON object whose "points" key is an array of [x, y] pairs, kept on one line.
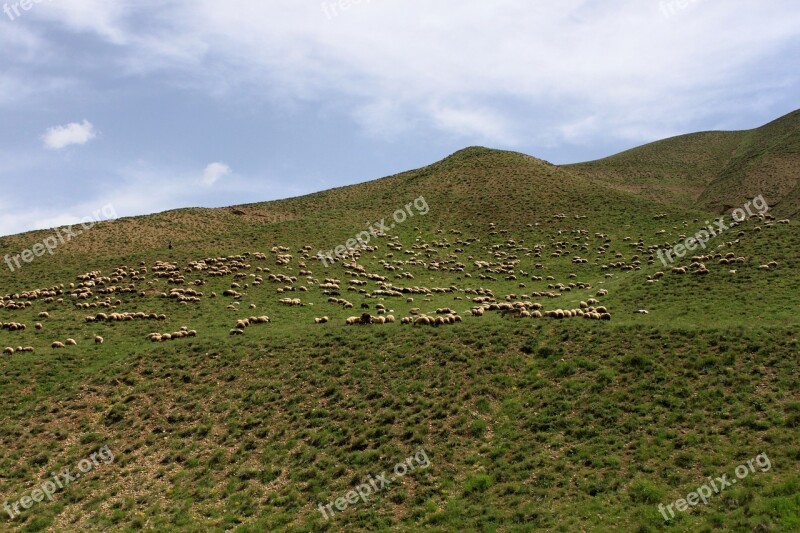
{"points": [[716, 171], [529, 423]]}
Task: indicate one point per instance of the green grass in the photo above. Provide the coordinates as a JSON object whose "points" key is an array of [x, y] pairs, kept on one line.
{"points": [[558, 425]]}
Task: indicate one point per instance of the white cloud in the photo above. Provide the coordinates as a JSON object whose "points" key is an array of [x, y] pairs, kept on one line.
{"points": [[59, 137], [536, 69], [214, 172]]}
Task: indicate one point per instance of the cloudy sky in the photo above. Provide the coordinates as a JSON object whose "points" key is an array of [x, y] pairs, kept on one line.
{"points": [[154, 105]]}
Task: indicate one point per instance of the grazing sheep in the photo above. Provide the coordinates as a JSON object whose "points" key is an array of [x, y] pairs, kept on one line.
{"points": [[321, 320], [38, 326], [389, 319], [9, 351], [44, 314], [57, 345], [70, 342], [642, 312], [98, 339]]}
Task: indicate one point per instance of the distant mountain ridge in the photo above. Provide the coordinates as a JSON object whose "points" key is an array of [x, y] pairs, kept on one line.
{"points": [[709, 171]]}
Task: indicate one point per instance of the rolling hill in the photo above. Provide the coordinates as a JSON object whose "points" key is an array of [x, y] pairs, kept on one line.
{"points": [[556, 374]]}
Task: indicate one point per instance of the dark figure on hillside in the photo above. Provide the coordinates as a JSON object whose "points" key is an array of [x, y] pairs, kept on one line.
{"points": [[364, 306], [366, 319], [170, 245]]}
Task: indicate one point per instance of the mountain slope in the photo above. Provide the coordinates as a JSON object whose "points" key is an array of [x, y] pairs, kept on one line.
{"points": [[222, 421], [714, 171]]}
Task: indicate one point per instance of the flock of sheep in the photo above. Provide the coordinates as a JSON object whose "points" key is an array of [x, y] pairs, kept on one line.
{"points": [[512, 262]]}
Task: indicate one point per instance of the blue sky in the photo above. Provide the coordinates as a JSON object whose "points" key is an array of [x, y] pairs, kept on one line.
{"points": [[152, 105]]}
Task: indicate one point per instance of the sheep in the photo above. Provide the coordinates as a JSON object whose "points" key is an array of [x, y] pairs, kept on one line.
{"points": [[57, 345], [70, 342], [322, 320], [38, 326], [9, 351], [98, 339], [389, 319], [44, 314], [642, 312]]}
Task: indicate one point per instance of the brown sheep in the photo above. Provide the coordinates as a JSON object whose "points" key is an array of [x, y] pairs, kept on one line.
{"points": [[57, 345], [98, 339]]}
